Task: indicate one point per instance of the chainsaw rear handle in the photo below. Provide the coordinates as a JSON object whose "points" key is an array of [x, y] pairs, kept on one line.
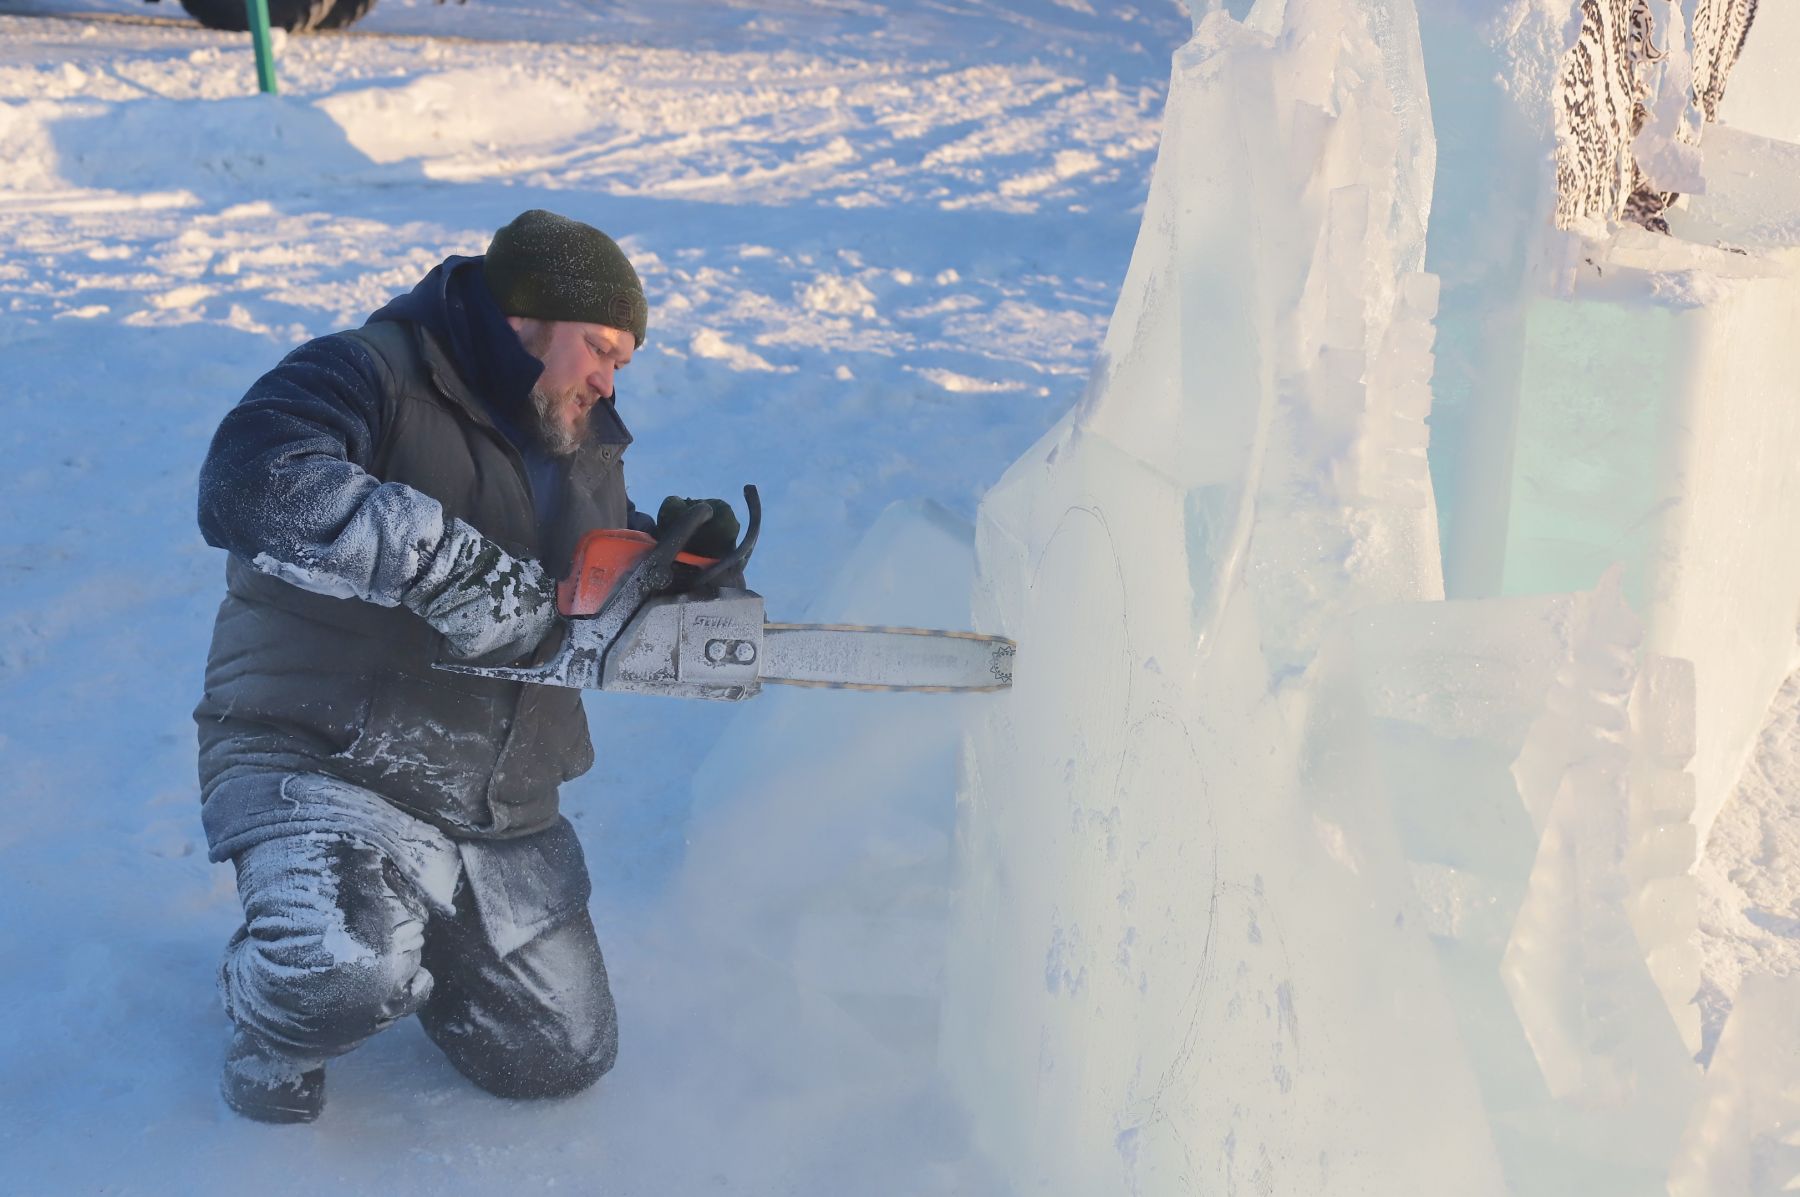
{"points": [[740, 556], [656, 572]]}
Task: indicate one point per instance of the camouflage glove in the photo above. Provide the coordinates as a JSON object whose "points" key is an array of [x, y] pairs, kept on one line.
{"points": [[716, 537], [486, 603]]}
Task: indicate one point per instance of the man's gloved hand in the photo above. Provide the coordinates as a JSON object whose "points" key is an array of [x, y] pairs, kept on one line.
{"points": [[486, 603], [716, 537]]}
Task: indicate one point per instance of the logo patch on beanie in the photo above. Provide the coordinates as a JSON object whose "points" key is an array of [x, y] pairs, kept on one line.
{"points": [[625, 311]]}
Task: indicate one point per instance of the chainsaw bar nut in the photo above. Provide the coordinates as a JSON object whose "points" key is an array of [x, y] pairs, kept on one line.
{"points": [[741, 651]]}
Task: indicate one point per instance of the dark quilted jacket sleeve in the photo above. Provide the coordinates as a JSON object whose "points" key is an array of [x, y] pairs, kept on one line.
{"points": [[639, 521], [284, 485]]}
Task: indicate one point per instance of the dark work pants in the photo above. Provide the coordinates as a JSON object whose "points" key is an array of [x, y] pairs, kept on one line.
{"points": [[338, 943]]}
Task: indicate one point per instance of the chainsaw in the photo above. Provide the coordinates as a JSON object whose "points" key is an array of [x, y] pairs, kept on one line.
{"points": [[641, 615]]}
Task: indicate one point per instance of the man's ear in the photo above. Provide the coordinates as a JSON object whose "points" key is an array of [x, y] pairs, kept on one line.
{"points": [[533, 333]]}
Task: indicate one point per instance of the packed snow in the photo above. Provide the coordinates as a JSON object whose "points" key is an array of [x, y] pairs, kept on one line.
{"points": [[881, 252], [1189, 909]]}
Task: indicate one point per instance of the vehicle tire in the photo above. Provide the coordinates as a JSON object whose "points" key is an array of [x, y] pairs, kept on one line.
{"points": [[295, 16], [345, 12]]}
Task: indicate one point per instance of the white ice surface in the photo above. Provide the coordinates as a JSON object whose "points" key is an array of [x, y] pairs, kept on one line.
{"points": [[1760, 95]]}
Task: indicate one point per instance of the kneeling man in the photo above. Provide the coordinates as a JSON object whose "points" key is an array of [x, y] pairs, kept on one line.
{"points": [[393, 496]]}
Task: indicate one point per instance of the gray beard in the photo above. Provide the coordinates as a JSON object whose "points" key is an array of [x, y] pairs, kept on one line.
{"points": [[551, 432]]}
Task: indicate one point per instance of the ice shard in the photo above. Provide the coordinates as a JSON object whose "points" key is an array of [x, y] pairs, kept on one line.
{"points": [[1597, 925], [1744, 1139]]}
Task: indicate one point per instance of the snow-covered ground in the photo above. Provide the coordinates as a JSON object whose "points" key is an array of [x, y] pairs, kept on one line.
{"points": [[881, 245], [882, 241]]}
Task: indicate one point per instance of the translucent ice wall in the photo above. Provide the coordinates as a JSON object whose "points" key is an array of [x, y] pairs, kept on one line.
{"points": [[1564, 114], [1610, 395], [1656, 429], [1649, 382], [1177, 964]]}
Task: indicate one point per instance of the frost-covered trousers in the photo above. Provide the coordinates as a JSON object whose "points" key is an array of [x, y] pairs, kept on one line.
{"points": [[339, 942]]}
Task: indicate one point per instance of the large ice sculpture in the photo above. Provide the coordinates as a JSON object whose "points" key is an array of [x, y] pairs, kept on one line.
{"points": [[1270, 842], [1171, 967]]}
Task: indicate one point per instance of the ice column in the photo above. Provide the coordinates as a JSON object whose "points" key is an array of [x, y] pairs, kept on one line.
{"points": [[1181, 958], [1618, 94], [1601, 965], [1533, 757], [1609, 394]]}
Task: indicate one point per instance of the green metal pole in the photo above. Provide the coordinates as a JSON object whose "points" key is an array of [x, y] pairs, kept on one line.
{"points": [[265, 53]]}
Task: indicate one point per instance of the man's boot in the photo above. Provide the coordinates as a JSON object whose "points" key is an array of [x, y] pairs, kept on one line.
{"points": [[261, 1084]]}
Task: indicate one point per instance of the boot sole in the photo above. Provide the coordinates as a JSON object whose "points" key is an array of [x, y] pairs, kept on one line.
{"points": [[274, 1113]]}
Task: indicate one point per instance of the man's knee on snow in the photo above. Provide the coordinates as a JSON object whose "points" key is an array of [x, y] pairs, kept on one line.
{"points": [[580, 1057], [537, 1022], [553, 1058], [330, 953], [346, 994], [543, 1071]]}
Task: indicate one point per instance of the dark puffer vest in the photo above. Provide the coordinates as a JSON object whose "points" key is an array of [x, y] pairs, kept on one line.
{"points": [[301, 681]]}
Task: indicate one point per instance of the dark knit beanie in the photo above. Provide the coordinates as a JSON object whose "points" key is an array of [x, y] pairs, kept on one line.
{"points": [[548, 267]]}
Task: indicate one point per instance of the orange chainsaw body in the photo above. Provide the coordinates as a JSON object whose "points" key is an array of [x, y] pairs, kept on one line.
{"points": [[602, 559]]}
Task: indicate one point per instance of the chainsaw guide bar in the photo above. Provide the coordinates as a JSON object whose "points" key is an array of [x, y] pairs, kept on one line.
{"points": [[881, 658]]}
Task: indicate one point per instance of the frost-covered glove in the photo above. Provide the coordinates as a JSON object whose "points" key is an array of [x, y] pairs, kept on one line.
{"points": [[716, 537], [486, 603]]}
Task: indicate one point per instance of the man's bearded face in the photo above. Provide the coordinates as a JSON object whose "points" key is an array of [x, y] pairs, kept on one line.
{"points": [[562, 420], [580, 361]]}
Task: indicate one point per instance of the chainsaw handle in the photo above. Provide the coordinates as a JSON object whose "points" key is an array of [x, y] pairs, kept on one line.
{"points": [[657, 568], [740, 556]]}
